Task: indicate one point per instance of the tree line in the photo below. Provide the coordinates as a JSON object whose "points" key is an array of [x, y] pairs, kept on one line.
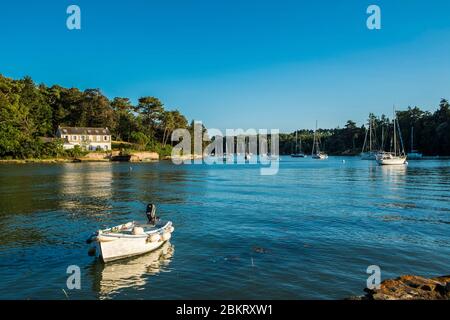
{"points": [[29, 112], [431, 133]]}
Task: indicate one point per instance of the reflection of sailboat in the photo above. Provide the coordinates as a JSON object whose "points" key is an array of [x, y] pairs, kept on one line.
{"points": [[316, 153], [298, 152], [371, 152], [397, 156], [133, 272], [414, 154], [393, 175]]}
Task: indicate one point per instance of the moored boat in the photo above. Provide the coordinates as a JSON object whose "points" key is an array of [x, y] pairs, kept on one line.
{"points": [[387, 158], [316, 153], [397, 156], [320, 156], [371, 155], [132, 238], [414, 154], [369, 149], [298, 151]]}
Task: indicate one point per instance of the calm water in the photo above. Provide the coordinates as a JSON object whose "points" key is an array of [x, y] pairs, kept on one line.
{"points": [[309, 232]]}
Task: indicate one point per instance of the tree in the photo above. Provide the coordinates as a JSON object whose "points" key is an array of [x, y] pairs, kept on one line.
{"points": [[125, 122], [151, 110]]}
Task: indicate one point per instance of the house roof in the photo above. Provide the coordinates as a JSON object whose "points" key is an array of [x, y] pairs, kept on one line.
{"points": [[84, 131]]}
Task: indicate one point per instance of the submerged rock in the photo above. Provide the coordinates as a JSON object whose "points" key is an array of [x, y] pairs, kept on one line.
{"points": [[411, 288], [260, 250]]}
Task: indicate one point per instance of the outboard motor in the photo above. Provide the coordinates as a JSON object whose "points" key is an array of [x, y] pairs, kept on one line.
{"points": [[151, 213]]}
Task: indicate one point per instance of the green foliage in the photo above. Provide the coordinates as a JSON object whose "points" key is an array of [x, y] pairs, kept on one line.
{"points": [[75, 152], [29, 112], [431, 133], [140, 139]]}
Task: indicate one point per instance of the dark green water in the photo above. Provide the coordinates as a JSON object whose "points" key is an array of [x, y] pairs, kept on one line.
{"points": [[309, 232]]}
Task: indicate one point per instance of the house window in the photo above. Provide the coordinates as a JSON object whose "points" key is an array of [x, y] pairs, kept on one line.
{"points": [[98, 138], [74, 138], [105, 138]]}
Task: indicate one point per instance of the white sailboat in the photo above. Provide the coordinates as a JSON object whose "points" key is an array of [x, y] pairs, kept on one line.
{"points": [[298, 153], [414, 154], [397, 156], [370, 143], [316, 153]]}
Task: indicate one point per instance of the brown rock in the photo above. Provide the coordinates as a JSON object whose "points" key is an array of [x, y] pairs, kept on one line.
{"points": [[411, 288]]}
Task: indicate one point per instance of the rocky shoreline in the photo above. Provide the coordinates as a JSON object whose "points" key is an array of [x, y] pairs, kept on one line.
{"points": [[105, 157], [410, 288]]}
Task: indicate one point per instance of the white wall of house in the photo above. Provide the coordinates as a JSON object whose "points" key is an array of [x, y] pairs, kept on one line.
{"points": [[86, 142]]}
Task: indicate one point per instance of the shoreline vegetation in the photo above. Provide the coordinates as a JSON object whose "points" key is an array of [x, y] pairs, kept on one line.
{"points": [[30, 115]]}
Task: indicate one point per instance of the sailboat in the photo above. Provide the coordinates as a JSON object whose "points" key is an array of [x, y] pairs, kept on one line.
{"points": [[316, 153], [414, 154], [398, 155], [297, 153], [371, 152]]}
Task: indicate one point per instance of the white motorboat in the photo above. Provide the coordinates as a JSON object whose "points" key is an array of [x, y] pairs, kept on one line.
{"points": [[131, 239]]}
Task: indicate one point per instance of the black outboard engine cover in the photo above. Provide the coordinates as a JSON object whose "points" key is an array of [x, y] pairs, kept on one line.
{"points": [[151, 213]]}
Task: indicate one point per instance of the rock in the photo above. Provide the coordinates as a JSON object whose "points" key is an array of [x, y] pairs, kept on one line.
{"points": [[411, 288], [96, 156], [144, 156], [260, 250]]}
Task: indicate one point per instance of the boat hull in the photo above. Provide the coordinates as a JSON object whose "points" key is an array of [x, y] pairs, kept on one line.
{"points": [[320, 156], [368, 156], [391, 161], [123, 248], [129, 240], [415, 156]]}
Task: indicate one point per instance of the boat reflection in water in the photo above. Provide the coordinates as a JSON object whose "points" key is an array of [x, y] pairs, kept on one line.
{"points": [[394, 175], [131, 273]]}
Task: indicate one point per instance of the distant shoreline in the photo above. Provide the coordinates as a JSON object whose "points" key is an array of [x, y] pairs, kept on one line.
{"points": [[167, 158]]}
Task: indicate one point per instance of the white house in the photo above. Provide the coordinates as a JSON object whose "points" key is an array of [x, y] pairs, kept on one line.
{"points": [[87, 138]]}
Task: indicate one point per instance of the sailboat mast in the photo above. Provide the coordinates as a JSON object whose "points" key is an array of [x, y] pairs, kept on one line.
{"points": [[395, 133], [365, 142], [370, 134], [412, 139], [300, 144], [314, 140]]}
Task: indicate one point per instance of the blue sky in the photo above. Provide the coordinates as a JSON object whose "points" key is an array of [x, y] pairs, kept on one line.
{"points": [[239, 64]]}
